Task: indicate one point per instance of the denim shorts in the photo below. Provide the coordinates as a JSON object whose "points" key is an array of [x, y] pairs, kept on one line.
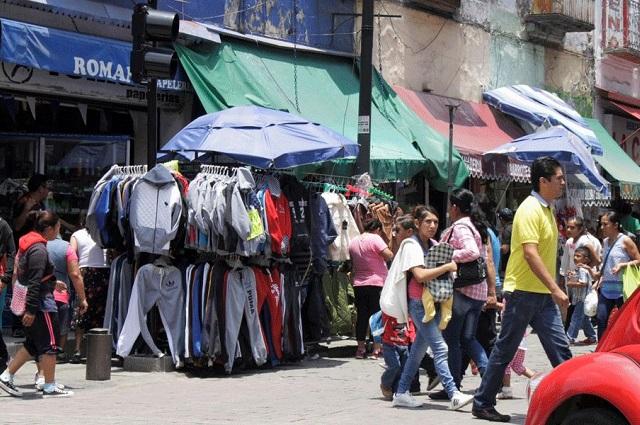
{"points": [[64, 317]]}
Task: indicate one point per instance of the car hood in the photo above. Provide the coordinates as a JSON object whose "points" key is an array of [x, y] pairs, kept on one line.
{"points": [[624, 327]]}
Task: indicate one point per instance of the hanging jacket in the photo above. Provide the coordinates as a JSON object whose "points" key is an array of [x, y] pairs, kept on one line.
{"points": [[279, 223], [236, 218], [298, 197], [323, 232], [155, 210], [344, 224]]}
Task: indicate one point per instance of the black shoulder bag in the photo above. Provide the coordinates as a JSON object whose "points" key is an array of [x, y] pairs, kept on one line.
{"points": [[472, 272]]}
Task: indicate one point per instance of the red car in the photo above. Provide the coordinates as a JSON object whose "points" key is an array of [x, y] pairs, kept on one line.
{"points": [[600, 388]]}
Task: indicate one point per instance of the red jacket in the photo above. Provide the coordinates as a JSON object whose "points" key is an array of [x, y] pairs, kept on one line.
{"points": [[278, 222]]}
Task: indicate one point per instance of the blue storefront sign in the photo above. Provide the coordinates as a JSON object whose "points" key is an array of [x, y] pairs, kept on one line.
{"points": [[69, 53]]}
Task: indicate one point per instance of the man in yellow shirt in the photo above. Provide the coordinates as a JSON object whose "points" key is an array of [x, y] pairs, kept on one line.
{"points": [[530, 279]]}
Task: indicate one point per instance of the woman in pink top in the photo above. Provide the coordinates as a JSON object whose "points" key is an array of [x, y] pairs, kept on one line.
{"points": [[369, 254], [468, 236]]}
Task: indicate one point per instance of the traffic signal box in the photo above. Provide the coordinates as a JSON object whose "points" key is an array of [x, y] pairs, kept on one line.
{"points": [[149, 27]]}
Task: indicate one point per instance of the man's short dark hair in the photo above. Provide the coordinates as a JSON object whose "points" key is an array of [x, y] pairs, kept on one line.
{"points": [[546, 167], [36, 181]]}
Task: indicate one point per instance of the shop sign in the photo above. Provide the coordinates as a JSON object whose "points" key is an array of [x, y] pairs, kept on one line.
{"points": [[627, 133], [614, 24], [171, 94]]}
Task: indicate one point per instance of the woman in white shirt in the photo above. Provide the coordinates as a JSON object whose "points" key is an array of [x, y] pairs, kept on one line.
{"points": [[95, 273]]}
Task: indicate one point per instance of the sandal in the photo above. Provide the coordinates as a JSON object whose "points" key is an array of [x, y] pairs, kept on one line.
{"points": [[361, 353], [375, 355]]}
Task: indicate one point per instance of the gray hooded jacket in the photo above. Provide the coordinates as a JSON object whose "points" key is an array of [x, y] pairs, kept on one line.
{"points": [[155, 210]]}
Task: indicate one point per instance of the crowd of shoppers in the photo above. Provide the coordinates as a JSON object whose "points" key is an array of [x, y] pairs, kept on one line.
{"points": [[531, 298]]}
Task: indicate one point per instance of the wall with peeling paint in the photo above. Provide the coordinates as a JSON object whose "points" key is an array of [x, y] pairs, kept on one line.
{"points": [[326, 24], [484, 46]]}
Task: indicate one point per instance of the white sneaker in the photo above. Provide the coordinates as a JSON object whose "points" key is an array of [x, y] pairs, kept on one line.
{"points": [[505, 394], [405, 400], [10, 387], [39, 383], [459, 400]]}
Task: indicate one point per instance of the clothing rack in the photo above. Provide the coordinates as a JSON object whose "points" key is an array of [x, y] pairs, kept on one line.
{"points": [[218, 170], [327, 178], [130, 170], [380, 194]]}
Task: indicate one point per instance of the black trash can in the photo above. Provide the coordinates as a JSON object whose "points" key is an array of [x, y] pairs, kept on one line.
{"points": [[98, 355]]}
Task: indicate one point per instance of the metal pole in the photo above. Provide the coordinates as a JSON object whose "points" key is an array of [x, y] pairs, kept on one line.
{"points": [[452, 110], [152, 122], [364, 106], [152, 112]]}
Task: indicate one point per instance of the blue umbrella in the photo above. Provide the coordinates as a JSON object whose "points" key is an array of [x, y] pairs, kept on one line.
{"points": [[261, 137], [538, 107], [559, 143]]}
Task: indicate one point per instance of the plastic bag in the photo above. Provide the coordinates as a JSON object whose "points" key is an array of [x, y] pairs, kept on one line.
{"points": [[377, 327], [630, 281], [591, 303]]}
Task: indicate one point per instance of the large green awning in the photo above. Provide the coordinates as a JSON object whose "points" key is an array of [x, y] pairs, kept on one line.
{"points": [[323, 89], [617, 163]]}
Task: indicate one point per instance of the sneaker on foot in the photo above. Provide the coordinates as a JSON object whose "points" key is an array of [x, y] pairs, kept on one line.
{"points": [[505, 394], [57, 392], [439, 395], [587, 341], [39, 383], [387, 393], [62, 358], [10, 388], [459, 400], [433, 382], [76, 359], [405, 400], [490, 414]]}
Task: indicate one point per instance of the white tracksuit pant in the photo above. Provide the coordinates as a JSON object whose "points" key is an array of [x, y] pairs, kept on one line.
{"points": [[242, 299], [161, 285]]}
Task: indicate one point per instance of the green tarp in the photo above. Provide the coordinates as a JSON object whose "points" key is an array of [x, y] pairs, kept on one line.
{"points": [[325, 90], [616, 162]]}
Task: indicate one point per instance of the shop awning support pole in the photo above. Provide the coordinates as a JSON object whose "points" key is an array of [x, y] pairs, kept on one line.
{"points": [[152, 122], [452, 111], [364, 107], [152, 112]]}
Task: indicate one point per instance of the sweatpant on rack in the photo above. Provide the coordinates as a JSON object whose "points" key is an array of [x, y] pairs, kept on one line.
{"points": [[124, 294], [196, 304], [314, 310], [161, 286], [188, 280], [242, 301], [293, 341], [110, 311], [118, 295], [269, 288], [220, 296], [210, 327]]}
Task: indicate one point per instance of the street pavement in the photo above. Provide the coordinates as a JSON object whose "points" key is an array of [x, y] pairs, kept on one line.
{"points": [[334, 389]]}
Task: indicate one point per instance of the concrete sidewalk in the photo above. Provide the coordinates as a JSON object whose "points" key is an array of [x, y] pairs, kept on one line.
{"points": [[333, 389]]}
